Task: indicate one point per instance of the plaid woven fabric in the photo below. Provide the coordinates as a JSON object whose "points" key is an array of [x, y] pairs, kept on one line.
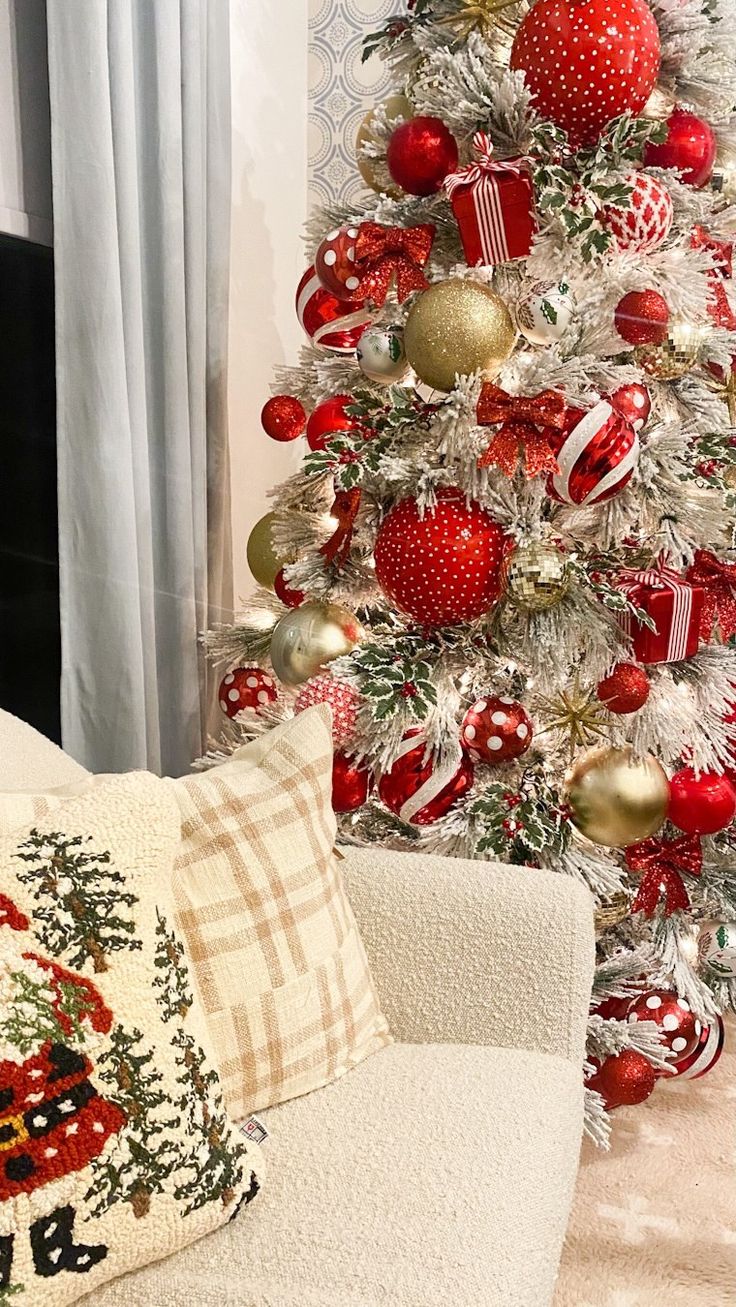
{"points": [[278, 963]]}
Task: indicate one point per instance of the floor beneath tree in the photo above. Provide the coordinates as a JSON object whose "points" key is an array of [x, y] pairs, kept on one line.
{"points": [[654, 1220]]}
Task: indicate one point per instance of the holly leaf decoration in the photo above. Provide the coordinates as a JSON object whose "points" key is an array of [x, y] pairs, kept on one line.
{"points": [[516, 825], [393, 680]]}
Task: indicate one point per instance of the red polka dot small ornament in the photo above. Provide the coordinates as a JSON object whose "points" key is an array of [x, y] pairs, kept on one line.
{"points": [[342, 698], [587, 61], [701, 805], [692, 1066], [596, 453], [633, 402], [496, 730], [624, 1080], [442, 568], [644, 223], [335, 263], [680, 1028], [333, 323], [351, 784], [283, 418], [419, 791], [690, 146], [246, 687]]}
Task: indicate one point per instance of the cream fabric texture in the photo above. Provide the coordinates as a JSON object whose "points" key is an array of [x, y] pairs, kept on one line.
{"points": [[28, 761], [115, 1147]]}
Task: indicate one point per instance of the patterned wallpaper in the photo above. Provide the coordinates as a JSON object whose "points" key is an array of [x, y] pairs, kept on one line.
{"points": [[341, 91]]}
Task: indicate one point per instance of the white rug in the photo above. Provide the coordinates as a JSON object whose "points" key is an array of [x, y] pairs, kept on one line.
{"points": [[654, 1220]]}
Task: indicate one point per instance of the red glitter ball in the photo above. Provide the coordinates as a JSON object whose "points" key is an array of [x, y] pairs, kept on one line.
{"points": [[642, 317], [624, 1080], [420, 154], [625, 689], [283, 418]]}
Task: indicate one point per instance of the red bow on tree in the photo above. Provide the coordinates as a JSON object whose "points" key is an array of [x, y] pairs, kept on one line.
{"points": [[382, 253], [529, 422], [662, 863], [719, 583], [722, 251], [345, 509]]}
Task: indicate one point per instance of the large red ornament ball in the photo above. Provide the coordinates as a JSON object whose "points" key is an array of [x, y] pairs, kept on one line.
{"points": [[681, 1029], [341, 697], [443, 568], [587, 61], [642, 317], [351, 784], [496, 730], [701, 805], [328, 418], [596, 455], [690, 146], [420, 154], [333, 323], [705, 1055], [624, 1080], [644, 224], [283, 418], [335, 263], [245, 687], [419, 792], [633, 402], [283, 591], [613, 1009], [625, 689]]}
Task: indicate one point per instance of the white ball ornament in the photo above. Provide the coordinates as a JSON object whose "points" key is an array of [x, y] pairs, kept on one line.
{"points": [[545, 312], [381, 355], [717, 949], [496, 729]]}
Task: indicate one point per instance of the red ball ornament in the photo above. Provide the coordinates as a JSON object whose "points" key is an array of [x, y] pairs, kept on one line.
{"points": [[420, 154], [341, 697], [328, 418], [283, 418], [596, 455], [333, 323], [624, 1080], [587, 61], [496, 730], [633, 402], [625, 689], [613, 1009], [335, 263], [690, 146], [283, 591], [701, 805], [642, 317], [705, 1055], [418, 791], [443, 568], [644, 224], [351, 784], [681, 1029], [246, 687]]}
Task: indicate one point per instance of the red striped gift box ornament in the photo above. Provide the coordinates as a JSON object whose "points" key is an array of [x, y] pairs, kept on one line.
{"points": [[674, 605], [493, 203]]}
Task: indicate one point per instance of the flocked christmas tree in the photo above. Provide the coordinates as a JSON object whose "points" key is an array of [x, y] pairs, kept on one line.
{"points": [[507, 558]]}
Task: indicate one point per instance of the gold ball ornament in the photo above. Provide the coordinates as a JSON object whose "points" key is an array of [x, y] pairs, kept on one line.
{"points": [[676, 355], [306, 638], [262, 561], [373, 170], [535, 576], [457, 327], [615, 797]]}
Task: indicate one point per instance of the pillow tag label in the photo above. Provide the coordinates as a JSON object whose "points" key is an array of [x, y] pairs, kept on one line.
{"points": [[255, 1130]]}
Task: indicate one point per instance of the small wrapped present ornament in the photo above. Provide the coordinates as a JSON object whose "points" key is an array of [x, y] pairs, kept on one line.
{"points": [[674, 605], [493, 203]]}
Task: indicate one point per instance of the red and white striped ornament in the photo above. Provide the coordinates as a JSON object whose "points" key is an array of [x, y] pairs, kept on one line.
{"points": [[644, 225], [342, 698], [416, 789], [705, 1055], [596, 454], [335, 324], [246, 687], [496, 730]]}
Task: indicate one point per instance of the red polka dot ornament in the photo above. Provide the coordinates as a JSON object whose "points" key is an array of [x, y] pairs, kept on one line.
{"points": [[335, 263], [690, 146], [336, 324], [351, 784], [691, 1066], [624, 1080], [442, 568], [342, 698], [644, 224], [246, 687], [681, 1029], [496, 730], [587, 61], [283, 591], [416, 789], [633, 402], [283, 418], [596, 455]]}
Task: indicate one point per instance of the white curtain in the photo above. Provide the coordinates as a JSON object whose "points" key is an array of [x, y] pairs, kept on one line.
{"points": [[140, 121]]}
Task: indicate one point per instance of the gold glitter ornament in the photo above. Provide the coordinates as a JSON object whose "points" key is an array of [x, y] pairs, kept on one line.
{"points": [[306, 638], [262, 561], [676, 355], [612, 912], [374, 171], [457, 327], [616, 798], [535, 576]]}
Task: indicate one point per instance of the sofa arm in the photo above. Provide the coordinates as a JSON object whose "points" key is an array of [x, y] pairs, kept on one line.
{"points": [[473, 952]]}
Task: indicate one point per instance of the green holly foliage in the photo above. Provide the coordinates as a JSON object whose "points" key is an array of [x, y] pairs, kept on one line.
{"points": [[394, 678], [81, 899], [30, 1017], [10, 1291], [214, 1165], [516, 825], [350, 455], [172, 974]]}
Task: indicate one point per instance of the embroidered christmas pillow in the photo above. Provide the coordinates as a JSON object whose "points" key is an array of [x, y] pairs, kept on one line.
{"points": [[115, 1147]]}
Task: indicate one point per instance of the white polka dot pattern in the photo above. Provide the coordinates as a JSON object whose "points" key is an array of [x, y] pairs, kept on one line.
{"points": [[496, 730], [245, 687], [587, 61], [681, 1030], [335, 264], [596, 456], [645, 224]]}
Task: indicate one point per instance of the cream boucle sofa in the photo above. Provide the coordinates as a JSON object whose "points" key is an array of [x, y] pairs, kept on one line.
{"points": [[441, 1170]]}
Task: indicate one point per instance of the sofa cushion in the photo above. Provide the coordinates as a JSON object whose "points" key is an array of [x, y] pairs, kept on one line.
{"points": [[115, 1147], [431, 1174]]}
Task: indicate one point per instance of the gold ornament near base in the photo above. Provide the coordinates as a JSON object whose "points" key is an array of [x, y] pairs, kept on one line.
{"points": [[306, 638], [678, 353], [612, 912], [262, 561], [396, 106], [457, 327], [535, 576], [616, 798]]}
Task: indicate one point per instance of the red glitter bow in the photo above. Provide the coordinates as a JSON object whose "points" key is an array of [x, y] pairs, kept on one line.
{"points": [[719, 583], [722, 251], [528, 423], [382, 253], [345, 509], [662, 862]]}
